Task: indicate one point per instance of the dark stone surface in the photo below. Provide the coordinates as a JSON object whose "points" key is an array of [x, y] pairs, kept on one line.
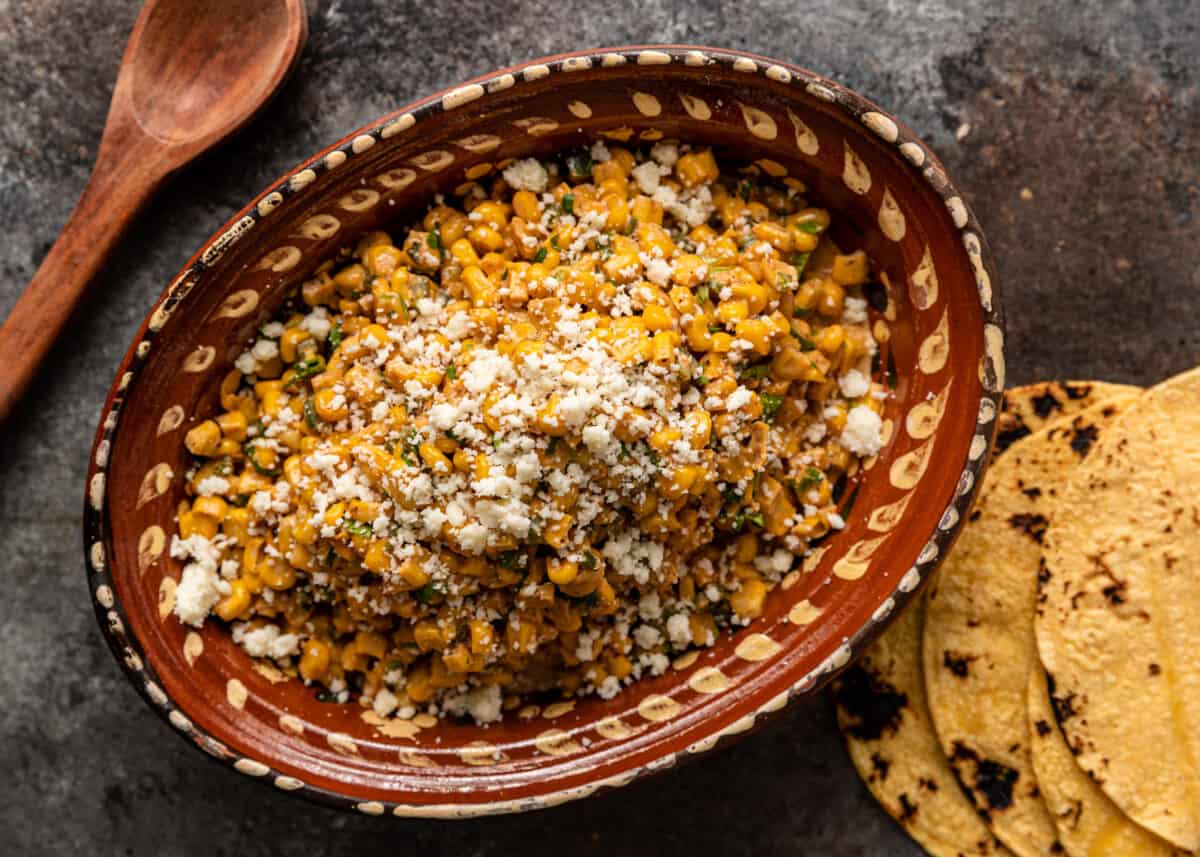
{"points": [[1073, 127]]}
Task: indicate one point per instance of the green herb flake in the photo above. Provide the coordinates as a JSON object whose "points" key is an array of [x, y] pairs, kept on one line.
{"points": [[430, 592], [568, 203], [702, 379], [702, 295], [756, 372], [434, 240], [251, 456], [307, 368], [335, 335], [394, 665], [812, 478], [452, 372], [756, 518], [588, 561], [799, 261], [356, 528], [310, 413], [770, 405], [580, 166], [806, 344], [540, 257], [811, 227]]}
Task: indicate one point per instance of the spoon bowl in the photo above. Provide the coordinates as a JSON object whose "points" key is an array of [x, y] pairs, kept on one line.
{"points": [[192, 75]]}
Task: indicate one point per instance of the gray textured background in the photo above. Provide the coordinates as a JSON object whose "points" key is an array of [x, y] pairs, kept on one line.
{"points": [[1090, 106]]}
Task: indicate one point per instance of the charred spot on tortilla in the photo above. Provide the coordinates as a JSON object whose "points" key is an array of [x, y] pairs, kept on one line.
{"points": [[879, 766], [928, 784], [1064, 706], [1046, 404], [958, 664], [1043, 728], [1083, 438], [1032, 493], [1077, 391], [993, 781], [1115, 593], [974, 516], [1154, 670], [1008, 435], [907, 809], [1033, 525], [875, 705]]}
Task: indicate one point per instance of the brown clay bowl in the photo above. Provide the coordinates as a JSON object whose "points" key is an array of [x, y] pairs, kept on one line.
{"points": [[944, 346]]}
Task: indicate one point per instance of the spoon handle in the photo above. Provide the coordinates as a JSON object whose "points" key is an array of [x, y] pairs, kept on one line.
{"points": [[118, 188]]}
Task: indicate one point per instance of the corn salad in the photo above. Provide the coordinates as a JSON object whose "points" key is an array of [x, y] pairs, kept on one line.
{"points": [[577, 422]]}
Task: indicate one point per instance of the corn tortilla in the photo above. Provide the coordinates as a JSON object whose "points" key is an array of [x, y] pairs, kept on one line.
{"points": [[880, 701], [1088, 823], [1118, 627], [979, 645]]}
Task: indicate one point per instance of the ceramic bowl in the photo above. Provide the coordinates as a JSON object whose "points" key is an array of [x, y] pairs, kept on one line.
{"points": [[939, 320]]}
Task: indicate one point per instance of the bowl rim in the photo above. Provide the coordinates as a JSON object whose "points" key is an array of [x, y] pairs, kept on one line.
{"points": [[919, 157]]}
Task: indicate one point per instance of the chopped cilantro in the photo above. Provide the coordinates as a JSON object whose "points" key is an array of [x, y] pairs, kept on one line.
{"points": [[307, 367], [394, 665], [812, 478], [568, 203], [251, 456], [430, 592], [756, 518], [702, 379], [434, 240], [356, 528], [497, 439], [631, 226], [811, 227], [745, 189], [702, 293], [770, 405], [588, 561], [801, 312], [452, 371], [806, 344], [756, 371], [799, 261], [335, 335], [552, 446], [540, 257], [580, 166], [310, 413]]}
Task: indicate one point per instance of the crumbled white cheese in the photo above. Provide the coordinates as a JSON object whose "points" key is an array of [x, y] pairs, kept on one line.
{"points": [[679, 629], [665, 153], [482, 703], [647, 175], [264, 350], [266, 641], [384, 703], [862, 432], [211, 486], [854, 384], [854, 310], [527, 174]]}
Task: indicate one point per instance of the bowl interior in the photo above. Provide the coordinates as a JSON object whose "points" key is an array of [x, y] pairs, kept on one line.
{"points": [[942, 351]]}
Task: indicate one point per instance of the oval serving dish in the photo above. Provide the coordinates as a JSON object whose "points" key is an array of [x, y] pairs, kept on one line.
{"points": [[943, 351]]}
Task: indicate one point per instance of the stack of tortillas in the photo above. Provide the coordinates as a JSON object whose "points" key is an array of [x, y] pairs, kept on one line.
{"points": [[1042, 695]]}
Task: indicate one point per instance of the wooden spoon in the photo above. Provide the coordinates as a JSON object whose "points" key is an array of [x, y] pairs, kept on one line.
{"points": [[192, 74]]}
